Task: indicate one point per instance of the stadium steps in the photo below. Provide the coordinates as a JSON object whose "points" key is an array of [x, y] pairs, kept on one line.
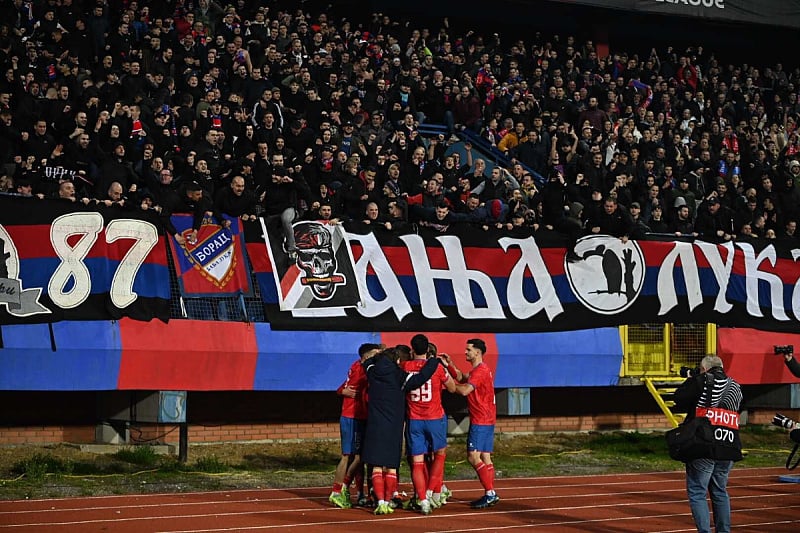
{"points": [[481, 147], [663, 391]]}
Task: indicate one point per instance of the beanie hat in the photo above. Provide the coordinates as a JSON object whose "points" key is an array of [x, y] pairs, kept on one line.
{"points": [[575, 209], [496, 209], [393, 186]]}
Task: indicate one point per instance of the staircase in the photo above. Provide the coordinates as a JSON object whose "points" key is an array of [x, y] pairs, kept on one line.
{"points": [[662, 390]]}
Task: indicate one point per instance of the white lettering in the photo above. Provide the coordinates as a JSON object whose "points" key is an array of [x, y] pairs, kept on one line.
{"points": [[221, 241], [530, 260], [373, 256], [458, 274], [724, 435], [667, 293], [719, 4], [72, 266], [752, 277], [721, 269], [221, 259], [722, 417], [145, 236]]}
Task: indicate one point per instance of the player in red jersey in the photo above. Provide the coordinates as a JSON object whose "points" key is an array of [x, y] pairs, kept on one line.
{"points": [[478, 387], [351, 429], [426, 427]]}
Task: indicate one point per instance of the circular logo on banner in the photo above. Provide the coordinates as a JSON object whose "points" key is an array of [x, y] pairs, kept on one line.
{"points": [[9, 259], [608, 276]]}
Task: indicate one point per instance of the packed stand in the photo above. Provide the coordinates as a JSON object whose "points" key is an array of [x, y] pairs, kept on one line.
{"points": [[266, 111]]}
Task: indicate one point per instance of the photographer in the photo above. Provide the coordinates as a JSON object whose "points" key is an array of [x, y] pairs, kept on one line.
{"points": [[788, 356], [711, 393]]}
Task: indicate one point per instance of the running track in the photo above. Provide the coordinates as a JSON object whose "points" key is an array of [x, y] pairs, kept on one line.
{"points": [[652, 502]]}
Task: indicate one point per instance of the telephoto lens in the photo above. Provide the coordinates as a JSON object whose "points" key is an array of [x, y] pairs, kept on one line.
{"points": [[783, 421]]}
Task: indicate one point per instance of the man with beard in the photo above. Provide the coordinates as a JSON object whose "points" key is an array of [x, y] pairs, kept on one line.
{"points": [[236, 200]]}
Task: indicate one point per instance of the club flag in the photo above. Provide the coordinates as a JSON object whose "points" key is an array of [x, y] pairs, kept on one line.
{"points": [[215, 263]]}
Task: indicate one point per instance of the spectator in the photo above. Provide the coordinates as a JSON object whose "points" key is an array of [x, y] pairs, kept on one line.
{"points": [[441, 220], [572, 226], [467, 110], [640, 228], [682, 225], [281, 202], [532, 151], [66, 191], [236, 200], [512, 139], [614, 220], [223, 87], [656, 222], [497, 186], [714, 223]]}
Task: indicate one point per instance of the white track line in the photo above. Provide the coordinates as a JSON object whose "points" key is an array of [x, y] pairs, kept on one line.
{"points": [[612, 520], [500, 483], [734, 475], [741, 475], [324, 498], [388, 522]]}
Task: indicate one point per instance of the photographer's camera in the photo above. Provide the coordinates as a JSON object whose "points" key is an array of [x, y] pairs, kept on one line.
{"points": [[783, 421], [688, 372], [786, 349]]}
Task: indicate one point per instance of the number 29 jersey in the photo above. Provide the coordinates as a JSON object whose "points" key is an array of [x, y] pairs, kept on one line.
{"points": [[425, 403]]}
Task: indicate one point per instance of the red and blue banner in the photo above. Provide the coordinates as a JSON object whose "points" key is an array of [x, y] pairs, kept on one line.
{"points": [[62, 261], [214, 263], [465, 280], [189, 355]]}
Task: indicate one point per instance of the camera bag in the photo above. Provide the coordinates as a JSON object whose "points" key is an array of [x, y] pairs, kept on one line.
{"points": [[694, 438]]}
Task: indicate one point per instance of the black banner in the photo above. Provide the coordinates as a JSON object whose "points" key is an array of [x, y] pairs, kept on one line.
{"points": [[62, 261], [769, 12], [467, 280]]}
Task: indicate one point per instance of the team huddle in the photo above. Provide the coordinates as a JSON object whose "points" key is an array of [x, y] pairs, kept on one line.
{"points": [[389, 389]]}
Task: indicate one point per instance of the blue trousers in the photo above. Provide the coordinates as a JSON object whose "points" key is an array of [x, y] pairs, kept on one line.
{"points": [[709, 476]]}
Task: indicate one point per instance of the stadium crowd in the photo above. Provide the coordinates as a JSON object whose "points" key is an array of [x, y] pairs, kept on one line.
{"points": [[257, 109]]}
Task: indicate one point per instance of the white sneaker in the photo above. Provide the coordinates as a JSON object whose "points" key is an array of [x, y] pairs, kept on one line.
{"points": [[436, 501], [446, 494], [425, 506]]}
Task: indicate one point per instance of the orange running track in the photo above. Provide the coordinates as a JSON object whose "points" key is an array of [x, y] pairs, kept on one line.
{"points": [[651, 502]]}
